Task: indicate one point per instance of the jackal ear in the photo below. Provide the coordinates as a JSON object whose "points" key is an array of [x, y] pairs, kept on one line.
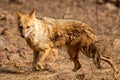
{"points": [[32, 14], [19, 14]]}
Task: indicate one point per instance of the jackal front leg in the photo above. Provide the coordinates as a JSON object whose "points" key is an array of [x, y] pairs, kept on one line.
{"points": [[35, 59], [41, 60]]}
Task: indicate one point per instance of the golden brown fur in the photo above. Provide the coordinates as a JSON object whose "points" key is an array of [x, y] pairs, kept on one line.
{"points": [[43, 34]]}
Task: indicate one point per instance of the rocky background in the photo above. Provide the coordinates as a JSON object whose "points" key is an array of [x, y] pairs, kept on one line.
{"points": [[16, 57]]}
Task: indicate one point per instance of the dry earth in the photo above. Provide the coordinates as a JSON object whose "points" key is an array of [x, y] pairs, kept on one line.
{"points": [[16, 56]]}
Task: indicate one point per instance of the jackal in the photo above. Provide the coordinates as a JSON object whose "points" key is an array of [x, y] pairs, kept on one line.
{"points": [[43, 34]]}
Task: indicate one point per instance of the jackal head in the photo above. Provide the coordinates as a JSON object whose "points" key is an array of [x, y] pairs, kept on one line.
{"points": [[25, 23]]}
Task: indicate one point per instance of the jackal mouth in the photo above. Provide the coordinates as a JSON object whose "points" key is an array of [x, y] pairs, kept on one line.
{"points": [[22, 36]]}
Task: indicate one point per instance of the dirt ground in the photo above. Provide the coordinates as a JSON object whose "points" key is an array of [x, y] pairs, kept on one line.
{"points": [[16, 57]]}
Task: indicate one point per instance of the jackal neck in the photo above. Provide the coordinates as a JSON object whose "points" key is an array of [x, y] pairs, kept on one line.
{"points": [[39, 34]]}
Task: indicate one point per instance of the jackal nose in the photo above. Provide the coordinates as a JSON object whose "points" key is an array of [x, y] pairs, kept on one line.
{"points": [[22, 36]]}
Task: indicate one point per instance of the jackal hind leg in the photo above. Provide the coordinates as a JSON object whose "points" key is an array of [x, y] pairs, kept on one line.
{"points": [[96, 59], [41, 60], [111, 62], [73, 53]]}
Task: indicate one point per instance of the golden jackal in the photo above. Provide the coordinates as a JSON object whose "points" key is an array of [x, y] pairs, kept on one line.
{"points": [[43, 34]]}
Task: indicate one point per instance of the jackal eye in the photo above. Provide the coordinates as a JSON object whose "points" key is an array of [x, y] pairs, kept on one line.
{"points": [[20, 26], [28, 26]]}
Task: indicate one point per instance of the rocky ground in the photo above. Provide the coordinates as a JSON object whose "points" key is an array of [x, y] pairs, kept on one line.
{"points": [[16, 57]]}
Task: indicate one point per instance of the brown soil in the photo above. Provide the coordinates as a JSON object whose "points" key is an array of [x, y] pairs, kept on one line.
{"points": [[16, 56]]}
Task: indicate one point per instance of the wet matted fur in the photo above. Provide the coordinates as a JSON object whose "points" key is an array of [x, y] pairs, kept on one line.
{"points": [[43, 34]]}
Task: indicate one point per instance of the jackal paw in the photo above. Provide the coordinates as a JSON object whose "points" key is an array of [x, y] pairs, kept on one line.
{"points": [[39, 67], [76, 68], [116, 75]]}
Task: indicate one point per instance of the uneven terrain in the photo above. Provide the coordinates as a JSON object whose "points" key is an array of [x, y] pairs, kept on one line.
{"points": [[16, 57]]}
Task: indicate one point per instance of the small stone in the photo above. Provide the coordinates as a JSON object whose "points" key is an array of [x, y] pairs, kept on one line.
{"points": [[17, 65], [100, 1], [2, 17], [3, 56], [17, 1], [111, 6], [116, 44], [14, 57], [80, 76]]}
